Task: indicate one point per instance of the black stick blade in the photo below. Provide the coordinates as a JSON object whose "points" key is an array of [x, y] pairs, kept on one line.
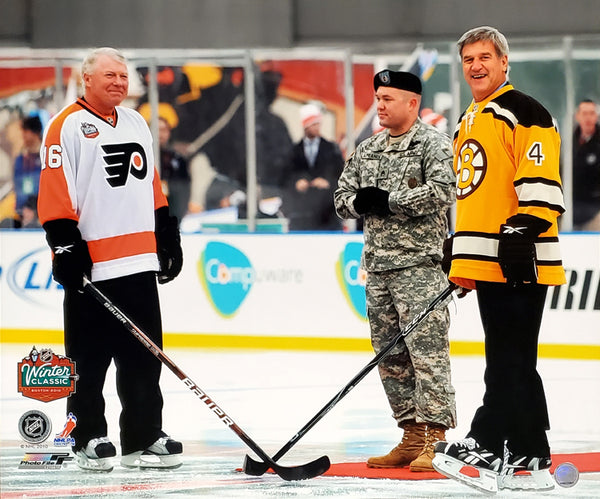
{"points": [[289, 473], [254, 468]]}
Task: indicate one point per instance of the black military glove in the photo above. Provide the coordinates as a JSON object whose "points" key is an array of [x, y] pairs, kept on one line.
{"points": [[71, 257], [516, 247], [372, 200], [168, 244], [447, 254]]}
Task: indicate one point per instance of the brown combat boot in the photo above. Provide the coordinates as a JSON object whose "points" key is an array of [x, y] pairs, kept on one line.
{"points": [[406, 451], [435, 433]]}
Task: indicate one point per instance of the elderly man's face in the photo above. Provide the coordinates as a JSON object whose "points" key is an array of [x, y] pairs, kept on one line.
{"points": [[107, 84], [484, 70]]}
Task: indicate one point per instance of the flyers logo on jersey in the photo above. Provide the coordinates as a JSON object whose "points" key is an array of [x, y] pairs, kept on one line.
{"points": [[123, 159], [471, 168]]}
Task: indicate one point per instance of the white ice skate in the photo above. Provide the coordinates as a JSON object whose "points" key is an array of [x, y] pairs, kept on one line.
{"points": [[526, 473], [95, 456], [164, 453], [451, 457]]}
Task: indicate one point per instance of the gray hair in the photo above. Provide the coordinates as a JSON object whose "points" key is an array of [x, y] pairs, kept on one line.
{"points": [[484, 33], [90, 60]]}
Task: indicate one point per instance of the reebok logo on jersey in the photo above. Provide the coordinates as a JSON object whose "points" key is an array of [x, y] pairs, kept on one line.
{"points": [[122, 159], [59, 250], [508, 229]]}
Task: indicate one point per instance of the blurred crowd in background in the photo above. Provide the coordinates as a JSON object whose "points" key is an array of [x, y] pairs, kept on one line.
{"points": [[300, 141]]}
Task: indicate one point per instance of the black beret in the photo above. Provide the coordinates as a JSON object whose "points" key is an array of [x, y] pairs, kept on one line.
{"points": [[398, 79]]}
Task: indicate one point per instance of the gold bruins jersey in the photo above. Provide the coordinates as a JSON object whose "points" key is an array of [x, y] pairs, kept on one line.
{"points": [[506, 157]]}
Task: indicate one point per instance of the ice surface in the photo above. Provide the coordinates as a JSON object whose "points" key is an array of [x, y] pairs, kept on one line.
{"points": [[271, 395]]}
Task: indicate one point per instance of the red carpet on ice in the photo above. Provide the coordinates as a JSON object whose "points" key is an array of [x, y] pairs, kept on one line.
{"points": [[585, 463]]}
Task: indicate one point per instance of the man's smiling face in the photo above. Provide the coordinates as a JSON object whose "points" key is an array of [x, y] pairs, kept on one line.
{"points": [[484, 70]]}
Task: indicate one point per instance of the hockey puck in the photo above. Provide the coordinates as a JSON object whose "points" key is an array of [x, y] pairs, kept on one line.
{"points": [[566, 475]]}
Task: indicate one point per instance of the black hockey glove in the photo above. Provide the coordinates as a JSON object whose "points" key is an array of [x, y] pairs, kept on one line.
{"points": [[516, 248], [168, 244], [372, 200], [447, 254], [71, 260]]}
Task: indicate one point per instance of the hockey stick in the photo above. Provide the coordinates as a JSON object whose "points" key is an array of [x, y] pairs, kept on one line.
{"points": [[302, 472], [252, 467]]}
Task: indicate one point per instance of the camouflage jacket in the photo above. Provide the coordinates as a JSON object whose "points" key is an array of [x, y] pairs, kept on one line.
{"points": [[418, 174]]}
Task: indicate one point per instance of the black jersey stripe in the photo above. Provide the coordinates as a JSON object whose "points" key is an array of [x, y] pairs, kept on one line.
{"points": [[542, 204], [537, 180], [528, 111]]}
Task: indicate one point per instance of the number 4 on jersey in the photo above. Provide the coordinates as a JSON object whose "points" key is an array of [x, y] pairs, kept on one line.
{"points": [[535, 153]]}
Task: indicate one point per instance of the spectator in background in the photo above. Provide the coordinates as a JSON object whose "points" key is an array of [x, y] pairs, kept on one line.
{"points": [[174, 172], [586, 168], [27, 167], [29, 214], [316, 165]]}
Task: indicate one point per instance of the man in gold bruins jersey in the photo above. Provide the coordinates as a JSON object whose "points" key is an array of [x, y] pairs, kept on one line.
{"points": [[509, 196]]}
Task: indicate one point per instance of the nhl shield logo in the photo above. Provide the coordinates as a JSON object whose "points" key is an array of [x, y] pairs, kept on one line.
{"points": [[46, 376], [34, 427]]}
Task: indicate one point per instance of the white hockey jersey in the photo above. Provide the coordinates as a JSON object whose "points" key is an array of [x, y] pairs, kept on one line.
{"points": [[99, 171]]}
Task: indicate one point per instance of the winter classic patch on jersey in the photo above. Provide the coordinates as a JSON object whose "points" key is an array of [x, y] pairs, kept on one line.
{"points": [[89, 130], [122, 159], [471, 168]]}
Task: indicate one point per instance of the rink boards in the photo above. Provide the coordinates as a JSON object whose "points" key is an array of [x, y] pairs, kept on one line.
{"points": [[289, 291]]}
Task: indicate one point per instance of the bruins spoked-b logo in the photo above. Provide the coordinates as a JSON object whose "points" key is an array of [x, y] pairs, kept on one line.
{"points": [[34, 427], [471, 168], [123, 159]]}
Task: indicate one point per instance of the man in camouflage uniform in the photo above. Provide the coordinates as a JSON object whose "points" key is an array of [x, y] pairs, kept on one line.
{"points": [[401, 180]]}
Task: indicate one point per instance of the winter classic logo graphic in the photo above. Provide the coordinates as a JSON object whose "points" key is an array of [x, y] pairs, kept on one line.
{"points": [[352, 278], [46, 376], [226, 275]]}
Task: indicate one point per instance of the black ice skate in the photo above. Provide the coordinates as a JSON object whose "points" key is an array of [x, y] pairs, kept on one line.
{"points": [[164, 453], [451, 457], [95, 456], [526, 473]]}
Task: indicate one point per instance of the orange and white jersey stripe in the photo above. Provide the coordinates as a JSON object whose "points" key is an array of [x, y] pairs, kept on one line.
{"points": [[102, 175], [506, 156]]}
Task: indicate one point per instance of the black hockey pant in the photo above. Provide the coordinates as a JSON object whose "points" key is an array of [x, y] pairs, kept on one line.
{"points": [[94, 338], [514, 404]]}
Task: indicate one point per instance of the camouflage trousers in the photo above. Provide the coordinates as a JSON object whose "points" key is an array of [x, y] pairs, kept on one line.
{"points": [[416, 373]]}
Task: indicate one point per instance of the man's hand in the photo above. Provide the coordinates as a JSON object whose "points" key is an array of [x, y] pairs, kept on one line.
{"points": [[372, 200], [168, 244], [516, 247], [71, 257], [447, 254]]}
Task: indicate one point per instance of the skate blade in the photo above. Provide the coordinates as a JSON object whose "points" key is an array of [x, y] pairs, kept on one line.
{"points": [[102, 465], [140, 460], [527, 480], [487, 481]]}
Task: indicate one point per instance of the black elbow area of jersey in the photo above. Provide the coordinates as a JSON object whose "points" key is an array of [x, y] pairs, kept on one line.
{"points": [[61, 231]]}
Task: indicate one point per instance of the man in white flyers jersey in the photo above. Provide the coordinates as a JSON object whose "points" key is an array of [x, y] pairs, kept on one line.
{"points": [[106, 217]]}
